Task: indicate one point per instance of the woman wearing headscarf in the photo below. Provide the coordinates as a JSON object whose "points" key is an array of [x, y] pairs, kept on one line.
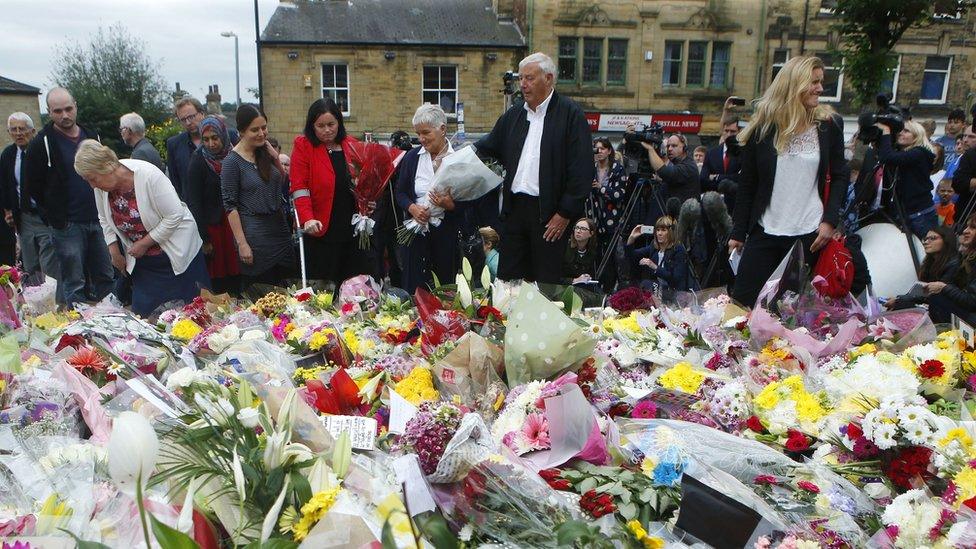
{"points": [[150, 234], [201, 190]]}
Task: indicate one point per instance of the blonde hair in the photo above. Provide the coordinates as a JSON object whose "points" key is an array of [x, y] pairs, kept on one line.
{"points": [[93, 158], [490, 236], [665, 222], [781, 108], [920, 138]]}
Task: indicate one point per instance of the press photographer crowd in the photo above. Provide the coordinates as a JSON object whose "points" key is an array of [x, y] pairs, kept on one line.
{"points": [[227, 210]]}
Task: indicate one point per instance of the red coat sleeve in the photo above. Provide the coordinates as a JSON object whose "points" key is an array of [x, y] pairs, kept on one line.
{"points": [[300, 175]]}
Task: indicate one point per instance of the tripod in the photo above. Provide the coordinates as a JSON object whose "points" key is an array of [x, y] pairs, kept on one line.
{"points": [[625, 220], [902, 222]]}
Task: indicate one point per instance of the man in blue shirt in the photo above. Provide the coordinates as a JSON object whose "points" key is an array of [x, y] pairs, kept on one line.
{"points": [[953, 129], [67, 203]]}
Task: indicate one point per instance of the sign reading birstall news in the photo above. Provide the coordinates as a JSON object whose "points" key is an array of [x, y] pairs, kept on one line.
{"points": [[672, 122]]}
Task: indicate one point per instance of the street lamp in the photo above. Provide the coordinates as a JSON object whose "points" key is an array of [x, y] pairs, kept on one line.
{"points": [[237, 63]]}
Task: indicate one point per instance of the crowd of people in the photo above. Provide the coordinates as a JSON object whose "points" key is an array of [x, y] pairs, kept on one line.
{"points": [[223, 211]]}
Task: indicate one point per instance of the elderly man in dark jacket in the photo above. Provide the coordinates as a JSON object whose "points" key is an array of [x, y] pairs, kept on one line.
{"points": [[545, 147]]}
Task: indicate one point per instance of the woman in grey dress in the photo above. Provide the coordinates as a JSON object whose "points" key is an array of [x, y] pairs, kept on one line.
{"points": [[251, 183]]}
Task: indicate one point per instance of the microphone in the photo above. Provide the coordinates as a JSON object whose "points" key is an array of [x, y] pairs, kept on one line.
{"points": [[672, 207], [688, 218], [718, 214]]}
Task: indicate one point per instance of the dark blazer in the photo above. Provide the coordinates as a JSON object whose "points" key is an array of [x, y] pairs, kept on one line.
{"points": [[960, 183], [714, 165], [566, 158], [759, 170], [179, 149], [8, 181], [201, 192], [672, 271], [44, 177], [406, 194], [144, 150]]}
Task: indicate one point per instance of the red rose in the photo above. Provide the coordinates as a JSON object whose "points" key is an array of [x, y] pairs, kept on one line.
{"points": [[854, 431], [796, 441], [304, 296], [560, 484], [549, 475], [766, 479], [931, 369], [755, 424], [908, 464], [808, 486]]}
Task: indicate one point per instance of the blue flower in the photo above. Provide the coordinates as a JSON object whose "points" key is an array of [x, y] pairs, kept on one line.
{"points": [[668, 473]]}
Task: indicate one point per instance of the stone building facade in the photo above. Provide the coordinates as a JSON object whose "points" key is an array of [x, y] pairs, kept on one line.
{"points": [[17, 97], [381, 60]]}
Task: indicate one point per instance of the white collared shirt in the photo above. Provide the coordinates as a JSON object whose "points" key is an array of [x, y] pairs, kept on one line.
{"points": [[423, 181], [527, 174]]}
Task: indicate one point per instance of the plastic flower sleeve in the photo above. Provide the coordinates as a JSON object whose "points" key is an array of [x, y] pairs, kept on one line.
{"points": [[470, 444], [574, 432], [473, 366], [541, 341]]}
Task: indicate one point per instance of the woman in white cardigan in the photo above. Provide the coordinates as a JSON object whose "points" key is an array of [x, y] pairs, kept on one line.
{"points": [[150, 234]]}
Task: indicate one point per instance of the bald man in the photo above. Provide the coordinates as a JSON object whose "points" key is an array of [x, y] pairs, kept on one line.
{"points": [[67, 203]]}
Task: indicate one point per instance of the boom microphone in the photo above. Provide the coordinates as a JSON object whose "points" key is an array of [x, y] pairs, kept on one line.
{"points": [[688, 218], [718, 214]]}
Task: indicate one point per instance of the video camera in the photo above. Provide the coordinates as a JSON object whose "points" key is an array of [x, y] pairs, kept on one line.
{"points": [[402, 140], [652, 134], [510, 81], [888, 114]]}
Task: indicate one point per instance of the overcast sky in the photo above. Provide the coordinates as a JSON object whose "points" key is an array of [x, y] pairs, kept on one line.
{"points": [[182, 36]]}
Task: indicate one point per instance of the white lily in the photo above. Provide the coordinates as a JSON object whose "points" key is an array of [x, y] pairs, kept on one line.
{"points": [[486, 278], [368, 390], [185, 522], [287, 410], [321, 477], [132, 450], [466, 268], [464, 292], [267, 527], [274, 450], [248, 417], [239, 476]]}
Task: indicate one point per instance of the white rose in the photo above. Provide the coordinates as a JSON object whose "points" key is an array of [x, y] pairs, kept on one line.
{"points": [[182, 378], [876, 490], [248, 417]]}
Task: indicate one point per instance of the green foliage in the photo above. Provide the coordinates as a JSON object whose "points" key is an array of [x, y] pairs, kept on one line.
{"points": [[170, 538], [109, 76], [869, 29], [157, 134]]}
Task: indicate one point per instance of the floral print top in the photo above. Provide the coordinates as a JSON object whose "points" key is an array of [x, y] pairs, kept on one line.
{"points": [[125, 215]]}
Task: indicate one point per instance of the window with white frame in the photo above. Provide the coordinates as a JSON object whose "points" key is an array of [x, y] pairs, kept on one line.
{"points": [[833, 83], [890, 84], [441, 86], [780, 57], [935, 79], [335, 84]]}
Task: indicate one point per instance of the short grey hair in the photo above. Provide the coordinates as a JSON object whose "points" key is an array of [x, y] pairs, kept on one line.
{"points": [[545, 63], [134, 122], [430, 115], [21, 117]]}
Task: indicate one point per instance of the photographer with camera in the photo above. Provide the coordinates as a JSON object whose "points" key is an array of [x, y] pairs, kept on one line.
{"points": [[792, 145], [913, 160], [679, 172]]}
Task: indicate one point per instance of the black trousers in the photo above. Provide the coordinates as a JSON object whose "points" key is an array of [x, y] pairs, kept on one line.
{"points": [[762, 254], [523, 252], [336, 261]]}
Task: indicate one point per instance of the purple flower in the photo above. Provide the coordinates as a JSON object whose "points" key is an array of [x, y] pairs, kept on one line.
{"points": [[17, 545], [971, 382], [44, 410]]}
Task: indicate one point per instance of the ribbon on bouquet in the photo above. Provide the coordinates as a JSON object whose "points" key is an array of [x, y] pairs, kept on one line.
{"points": [[363, 223]]}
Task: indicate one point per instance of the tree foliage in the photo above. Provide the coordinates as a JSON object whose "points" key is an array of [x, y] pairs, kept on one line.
{"points": [[109, 76], [869, 30]]}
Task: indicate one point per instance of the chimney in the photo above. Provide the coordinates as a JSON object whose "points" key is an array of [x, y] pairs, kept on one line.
{"points": [[213, 100], [178, 93]]}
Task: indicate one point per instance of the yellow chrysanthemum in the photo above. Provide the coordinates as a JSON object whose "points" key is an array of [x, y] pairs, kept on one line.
{"points": [[808, 408], [965, 482], [352, 342], [647, 466], [957, 434], [768, 397], [682, 377], [418, 386], [866, 349], [318, 340], [185, 329], [649, 542], [314, 510]]}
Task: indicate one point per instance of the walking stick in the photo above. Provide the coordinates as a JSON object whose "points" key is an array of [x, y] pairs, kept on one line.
{"points": [[301, 244]]}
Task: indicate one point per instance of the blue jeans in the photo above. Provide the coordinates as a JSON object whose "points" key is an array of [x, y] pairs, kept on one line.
{"points": [[86, 267], [922, 224]]}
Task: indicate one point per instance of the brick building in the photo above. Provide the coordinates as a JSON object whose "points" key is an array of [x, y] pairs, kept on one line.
{"points": [[381, 59], [17, 97]]}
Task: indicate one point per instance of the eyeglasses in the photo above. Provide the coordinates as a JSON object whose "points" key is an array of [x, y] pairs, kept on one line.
{"points": [[18, 130], [122, 129], [188, 118]]}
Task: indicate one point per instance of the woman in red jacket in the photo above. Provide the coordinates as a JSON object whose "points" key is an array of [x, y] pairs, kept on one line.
{"points": [[321, 186]]}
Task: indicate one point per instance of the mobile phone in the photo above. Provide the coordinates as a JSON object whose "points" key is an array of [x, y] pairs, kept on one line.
{"points": [[737, 101], [647, 229]]}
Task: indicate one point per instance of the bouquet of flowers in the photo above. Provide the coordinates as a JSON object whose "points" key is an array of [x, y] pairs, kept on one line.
{"points": [[465, 176], [371, 166], [447, 441]]}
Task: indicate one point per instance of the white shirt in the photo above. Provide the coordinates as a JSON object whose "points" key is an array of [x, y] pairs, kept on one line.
{"points": [[795, 207], [423, 181], [527, 174]]}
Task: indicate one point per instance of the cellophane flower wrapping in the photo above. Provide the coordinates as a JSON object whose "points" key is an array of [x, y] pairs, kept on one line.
{"points": [[371, 166], [472, 371], [359, 294], [540, 340], [40, 299], [465, 176]]}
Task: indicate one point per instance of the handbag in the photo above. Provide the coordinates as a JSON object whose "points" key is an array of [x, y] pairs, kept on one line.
{"points": [[833, 275]]}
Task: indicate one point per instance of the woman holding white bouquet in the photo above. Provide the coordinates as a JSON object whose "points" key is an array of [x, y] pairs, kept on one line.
{"points": [[435, 249]]}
